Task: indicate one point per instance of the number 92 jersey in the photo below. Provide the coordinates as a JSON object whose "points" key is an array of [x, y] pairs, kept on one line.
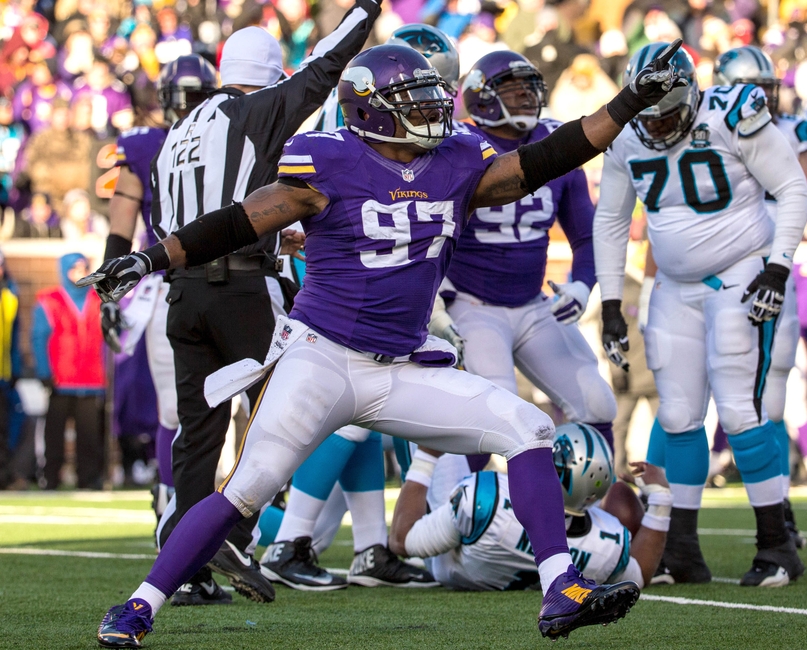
{"points": [[377, 253], [705, 208]]}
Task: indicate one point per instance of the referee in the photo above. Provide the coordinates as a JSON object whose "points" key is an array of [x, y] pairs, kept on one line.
{"points": [[224, 311]]}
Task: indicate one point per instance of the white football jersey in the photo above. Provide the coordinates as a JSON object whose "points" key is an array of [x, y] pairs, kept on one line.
{"points": [[705, 208], [494, 552], [794, 129]]}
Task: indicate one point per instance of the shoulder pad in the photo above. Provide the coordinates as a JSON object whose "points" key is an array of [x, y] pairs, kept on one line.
{"points": [[306, 151], [748, 109]]}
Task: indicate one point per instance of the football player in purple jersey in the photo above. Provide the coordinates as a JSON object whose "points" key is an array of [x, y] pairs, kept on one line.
{"points": [[383, 203], [183, 84], [493, 286]]}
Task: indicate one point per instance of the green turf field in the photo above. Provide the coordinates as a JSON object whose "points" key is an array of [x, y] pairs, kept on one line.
{"points": [[57, 600]]}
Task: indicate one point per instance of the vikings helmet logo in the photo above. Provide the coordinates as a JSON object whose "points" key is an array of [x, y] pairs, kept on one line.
{"points": [[563, 457], [474, 81], [361, 78]]}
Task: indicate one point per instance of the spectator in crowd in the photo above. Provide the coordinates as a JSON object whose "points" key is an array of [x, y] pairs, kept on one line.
{"points": [[57, 159], [175, 38], [298, 32], [581, 89], [12, 137], [78, 221], [10, 366], [33, 98], [77, 56], [38, 220], [477, 41], [111, 104], [67, 344]]}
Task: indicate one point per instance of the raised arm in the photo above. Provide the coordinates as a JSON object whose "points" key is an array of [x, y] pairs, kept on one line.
{"points": [[211, 236], [519, 173]]}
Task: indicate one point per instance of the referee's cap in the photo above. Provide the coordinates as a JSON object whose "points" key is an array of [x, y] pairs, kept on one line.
{"points": [[251, 57]]}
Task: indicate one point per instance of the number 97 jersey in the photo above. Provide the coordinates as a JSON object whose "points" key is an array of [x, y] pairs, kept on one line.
{"points": [[705, 208]]}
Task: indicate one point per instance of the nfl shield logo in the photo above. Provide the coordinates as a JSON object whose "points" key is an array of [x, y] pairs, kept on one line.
{"points": [[408, 175], [311, 338], [285, 333]]}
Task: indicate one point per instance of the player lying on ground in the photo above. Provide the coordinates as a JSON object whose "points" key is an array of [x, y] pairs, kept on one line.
{"points": [[382, 203], [472, 540]]}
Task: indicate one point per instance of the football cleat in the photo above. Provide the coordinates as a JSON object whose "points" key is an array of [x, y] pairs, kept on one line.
{"points": [[774, 567], [243, 572], [662, 576], [573, 601], [790, 524], [377, 566], [684, 560], [294, 563], [124, 626], [204, 591]]}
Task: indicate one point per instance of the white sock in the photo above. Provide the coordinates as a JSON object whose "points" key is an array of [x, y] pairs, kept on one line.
{"points": [[765, 493], [785, 486], [369, 522], [300, 516], [151, 595], [552, 567], [687, 497]]}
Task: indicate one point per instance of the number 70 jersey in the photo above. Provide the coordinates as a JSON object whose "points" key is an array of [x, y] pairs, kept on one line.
{"points": [[705, 209]]}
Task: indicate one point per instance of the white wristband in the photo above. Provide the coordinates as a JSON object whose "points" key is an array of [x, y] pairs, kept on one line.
{"points": [[654, 522], [422, 468], [659, 503]]}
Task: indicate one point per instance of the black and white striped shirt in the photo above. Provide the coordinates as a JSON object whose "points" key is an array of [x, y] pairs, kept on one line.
{"points": [[230, 145]]}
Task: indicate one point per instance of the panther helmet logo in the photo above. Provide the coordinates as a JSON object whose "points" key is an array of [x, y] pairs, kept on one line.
{"points": [[563, 457]]}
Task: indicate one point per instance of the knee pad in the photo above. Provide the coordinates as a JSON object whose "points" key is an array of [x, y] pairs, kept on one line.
{"points": [[775, 394], [364, 471], [687, 457], [674, 416], [736, 416], [600, 403], [259, 475], [756, 453], [657, 445]]}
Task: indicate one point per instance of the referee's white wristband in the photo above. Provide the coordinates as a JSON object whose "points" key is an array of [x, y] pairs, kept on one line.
{"points": [[654, 522], [422, 468]]}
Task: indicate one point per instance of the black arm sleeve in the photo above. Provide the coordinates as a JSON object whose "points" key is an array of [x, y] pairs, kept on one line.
{"points": [[216, 234], [117, 246], [562, 151]]}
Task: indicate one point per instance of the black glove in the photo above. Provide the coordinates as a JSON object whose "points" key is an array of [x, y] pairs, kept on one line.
{"points": [[768, 289], [116, 277], [111, 324], [47, 383], [615, 332], [648, 88]]}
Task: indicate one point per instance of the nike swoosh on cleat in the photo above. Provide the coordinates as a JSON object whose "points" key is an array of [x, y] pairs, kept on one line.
{"points": [[243, 559], [323, 580]]}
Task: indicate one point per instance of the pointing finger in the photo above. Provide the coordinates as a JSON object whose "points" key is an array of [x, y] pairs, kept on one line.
{"points": [[663, 59]]}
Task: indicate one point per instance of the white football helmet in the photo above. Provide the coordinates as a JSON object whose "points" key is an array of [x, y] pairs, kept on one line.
{"points": [[585, 466], [749, 65]]}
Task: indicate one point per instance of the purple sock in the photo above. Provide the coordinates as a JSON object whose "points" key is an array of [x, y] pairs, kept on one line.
{"points": [[721, 440], [163, 441], [607, 431], [197, 537], [537, 499]]}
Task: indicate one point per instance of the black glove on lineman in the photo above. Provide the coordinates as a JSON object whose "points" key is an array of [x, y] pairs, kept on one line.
{"points": [[768, 289], [116, 277], [648, 88], [112, 324], [614, 332]]}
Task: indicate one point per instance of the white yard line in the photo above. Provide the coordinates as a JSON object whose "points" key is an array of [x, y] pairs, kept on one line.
{"points": [[88, 554], [716, 603]]}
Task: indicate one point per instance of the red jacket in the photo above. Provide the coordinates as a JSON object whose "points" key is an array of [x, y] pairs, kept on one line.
{"points": [[75, 347]]}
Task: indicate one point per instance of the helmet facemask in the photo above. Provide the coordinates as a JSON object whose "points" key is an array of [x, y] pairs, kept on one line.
{"points": [[420, 105], [526, 80]]}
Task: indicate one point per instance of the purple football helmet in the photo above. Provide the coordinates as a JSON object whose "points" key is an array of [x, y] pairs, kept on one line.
{"points": [[185, 83], [482, 83], [388, 85]]}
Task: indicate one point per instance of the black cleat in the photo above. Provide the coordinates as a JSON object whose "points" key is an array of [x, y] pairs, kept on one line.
{"points": [[243, 572], [573, 601], [294, 563], [774, 567], [790, 524], [662, 576], [204, 591], [124, 626], [377, 566]]}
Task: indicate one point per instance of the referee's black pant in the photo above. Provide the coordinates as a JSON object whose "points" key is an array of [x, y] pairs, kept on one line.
{"points": [[211, 326]]}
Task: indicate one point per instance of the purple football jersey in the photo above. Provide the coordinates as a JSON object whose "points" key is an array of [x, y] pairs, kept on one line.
{"points": [[136, 149], [376, 255], [501, 255]]}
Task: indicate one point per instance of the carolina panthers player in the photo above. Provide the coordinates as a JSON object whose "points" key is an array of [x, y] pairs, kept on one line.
{"points": [[473, 541], [353, 455], [182, 85], [750, 65], [493, 286], [701, 163], [354, 349]]}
